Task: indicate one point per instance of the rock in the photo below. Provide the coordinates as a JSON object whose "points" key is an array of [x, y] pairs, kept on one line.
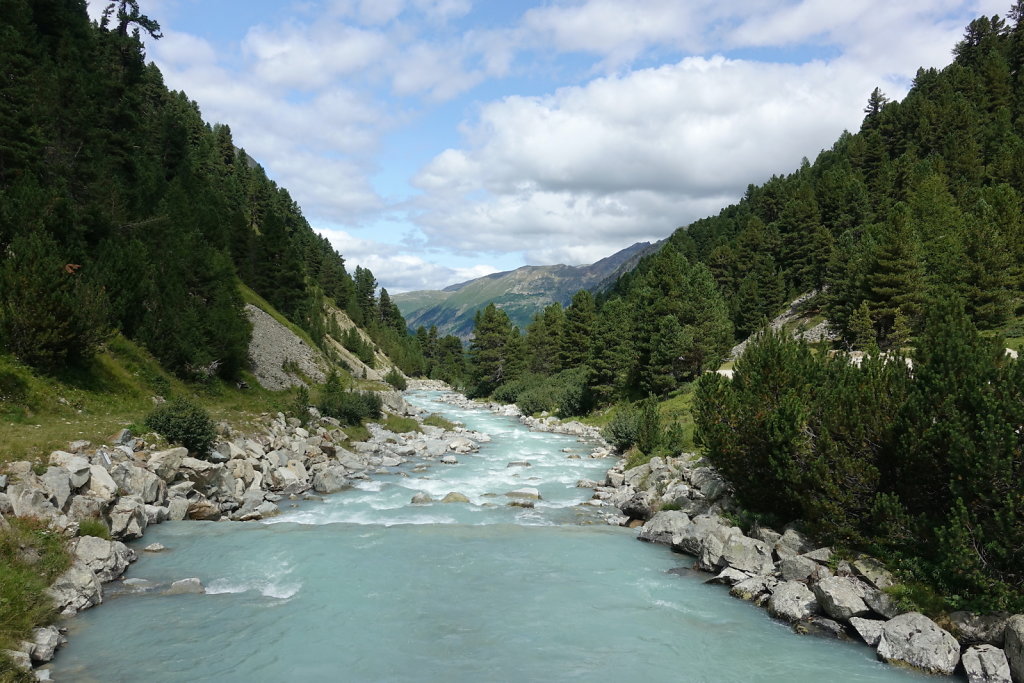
{"points": [[139, 482], [792, 543], [155, 548], [156, 514], [191, 586], [691, 537], [754, 588], [45, 642], [85, 507], [106, 559], [57, 483], [455, 497], [521, 504], [449, 460], [5, 505], [1014, 646], [792, 601], [917, 641], [821, 627], [729, 577], [821, 555], [28, 501], [841, 597], [614, 479], [708, 482], [76, 589], [177, 508], [873, 572], [76, 466], [636, 476], [421, 499], [462, 445], [882, 603], [330, 480], [3, 482], [641, 505], [203, 509], [798, 568], [523, 463], [267, 509], [870, 630], [128, 519], [101, 485], [767, 535], [664, 526], [979, 629], [747, 555], [21, 660], [526, 493], [986, 664]]}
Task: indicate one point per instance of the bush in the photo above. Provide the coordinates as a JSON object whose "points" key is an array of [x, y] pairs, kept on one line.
{"points": [[299, 407], [396, 379], [183, 422], [351, 407], [621, 431]]}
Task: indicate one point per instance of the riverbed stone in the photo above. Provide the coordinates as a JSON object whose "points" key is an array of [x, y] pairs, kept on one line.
{"points": [[754, 588], [986, 664], [526, 493], [330, 480], [664, 526], [139, 482], [455, 497], [203, 509], [76, 589], [841, 597], [45, 641], [1014, 646], [792, 601], [870, 630], [421, 498], [191, 586], [915, 640], [747, 555], [128, 519], [107, 559], [449, 460]]}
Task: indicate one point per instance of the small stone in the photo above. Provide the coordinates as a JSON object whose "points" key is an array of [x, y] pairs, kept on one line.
{"points": [[455, 497], [421, 499], [186, 587], [155, 548]]}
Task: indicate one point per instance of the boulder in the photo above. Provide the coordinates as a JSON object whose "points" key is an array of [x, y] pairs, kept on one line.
{"points": [[203, 473], [636, 476], [1014, 646], [729, 577], [156, 514], [101, 485], [915, 640], [708, 482], [177, 508], [640, 505], [76, 589], [664, 527], [455, 497], [186, 587], [754, 589], [155, 548], [692, 536], [873, 572], [979, 629], [526, 493], [45, 642], [792, 601], [57, 483], [870, 630], [76, 466], [85, 507], [792, 543], [20, 659], [747, 555], [421, 499], [106, 559], [821, 555], [29, 501], [330, 480], [799, 568], [841, 597], [139, 482], [203, 509], [128, 519], [449, 460], [462, 445], [712, 547], [882, 603], [823, 627], [986, 664]]}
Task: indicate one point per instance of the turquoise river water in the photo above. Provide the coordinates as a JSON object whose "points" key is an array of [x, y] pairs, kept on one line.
{"points": [[367, 587]]}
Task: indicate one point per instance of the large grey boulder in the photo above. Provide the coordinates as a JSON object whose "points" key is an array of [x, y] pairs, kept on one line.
{"points": [[755, 589], [85, 507], [792, 601], [979, 629], [28, 500], [873, 572], [106, 559], [986, 664], [799, 568], [330, 480], [641, 505], [77, 467], [708, 482], [792, 543], [57, 483], [165, 464], [140, 482], [128, 519], [101, 485], [747, 555], [841, 597], [76, 589], [191, 586], [45, 642], [868, 629], [203, 509], [692, 536], [915, 640], [712, 547], [664, 527], [882, 604], [1014, 646]]}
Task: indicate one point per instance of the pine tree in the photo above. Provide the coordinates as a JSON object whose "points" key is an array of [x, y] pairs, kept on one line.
{"points": [[577, 330], [488, 350]]}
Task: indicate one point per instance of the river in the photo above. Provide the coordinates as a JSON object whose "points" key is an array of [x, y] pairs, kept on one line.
{"points": [[365, 586]]}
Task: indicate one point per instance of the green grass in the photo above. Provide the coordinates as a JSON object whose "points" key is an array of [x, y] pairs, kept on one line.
{"points": [[31, 557], [435, 420], [399, 425], [93, 527]]}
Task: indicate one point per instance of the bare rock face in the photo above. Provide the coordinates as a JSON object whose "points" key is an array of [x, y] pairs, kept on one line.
{"points": [[915, 640]]}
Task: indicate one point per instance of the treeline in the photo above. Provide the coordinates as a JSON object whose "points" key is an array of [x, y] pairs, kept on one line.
{"points": [[121, 209], [923, 466]]}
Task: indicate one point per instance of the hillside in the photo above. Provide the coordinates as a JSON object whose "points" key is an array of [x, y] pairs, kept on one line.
{"points": [[521, 293]]}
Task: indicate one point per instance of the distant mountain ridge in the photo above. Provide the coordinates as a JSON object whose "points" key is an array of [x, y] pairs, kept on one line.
{"points": [[521, 293]]}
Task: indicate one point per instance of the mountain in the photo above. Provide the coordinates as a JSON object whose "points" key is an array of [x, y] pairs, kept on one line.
{"points": [[521, 293]]}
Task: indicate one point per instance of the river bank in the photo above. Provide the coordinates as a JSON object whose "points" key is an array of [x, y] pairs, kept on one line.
{"points": [[128, 486]]}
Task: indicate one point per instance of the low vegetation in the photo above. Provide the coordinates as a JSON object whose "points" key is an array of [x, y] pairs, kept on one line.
{"points": [[435, 420], [183, 422]]}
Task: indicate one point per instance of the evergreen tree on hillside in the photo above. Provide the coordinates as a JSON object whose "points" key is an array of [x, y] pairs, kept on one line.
{"points": [[578, 329], [490, 361]]}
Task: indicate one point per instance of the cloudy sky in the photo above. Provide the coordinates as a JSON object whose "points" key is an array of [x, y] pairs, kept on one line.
{"points": [[434, 141]]}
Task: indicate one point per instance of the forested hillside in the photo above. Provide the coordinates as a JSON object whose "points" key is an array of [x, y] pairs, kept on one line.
{"points": [[121, 210]]}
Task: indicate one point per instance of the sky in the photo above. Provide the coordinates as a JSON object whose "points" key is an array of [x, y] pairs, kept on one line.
{"points": [[435, 141]]}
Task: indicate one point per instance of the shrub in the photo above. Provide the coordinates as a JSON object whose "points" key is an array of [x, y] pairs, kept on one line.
{"points": [[93, 526], [621, 431], [183, 422], [351, 407], [396, 379], [299, 407]]}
